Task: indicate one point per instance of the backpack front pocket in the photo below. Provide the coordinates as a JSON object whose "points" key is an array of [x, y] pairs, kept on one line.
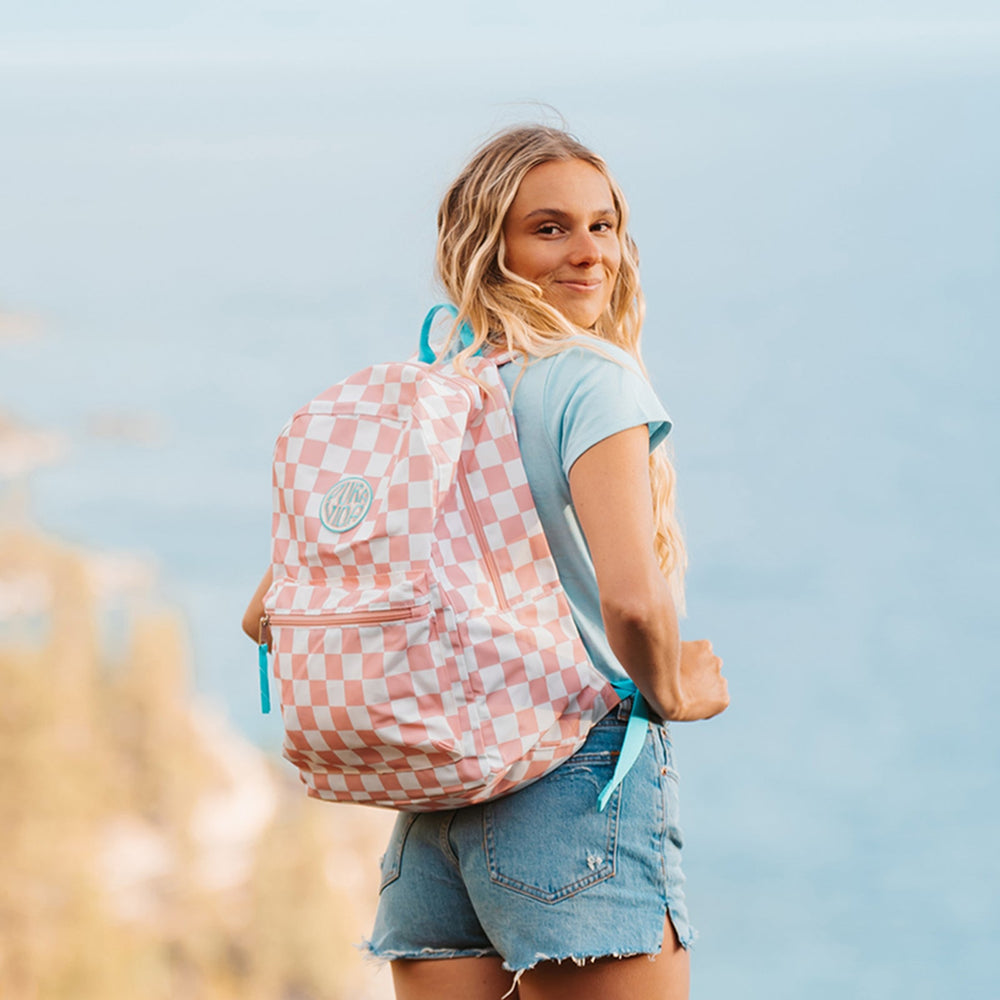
{"points": [[374, 689]]}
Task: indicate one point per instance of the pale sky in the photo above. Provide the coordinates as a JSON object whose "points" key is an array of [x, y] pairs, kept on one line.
{"points": [[442, 32]]}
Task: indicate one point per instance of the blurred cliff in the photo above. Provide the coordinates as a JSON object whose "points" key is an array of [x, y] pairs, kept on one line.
{"points": [[146, 850]]}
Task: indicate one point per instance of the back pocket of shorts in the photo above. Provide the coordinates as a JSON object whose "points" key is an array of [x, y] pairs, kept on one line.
{"points": [[548, 841]]}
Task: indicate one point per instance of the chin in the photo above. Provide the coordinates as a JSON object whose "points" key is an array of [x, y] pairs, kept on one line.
{"points": [[577, 318], [577, 313], [587, 322]]}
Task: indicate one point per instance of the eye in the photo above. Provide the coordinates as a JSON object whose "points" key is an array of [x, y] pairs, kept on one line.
{"points": [[603, 226], [548, 229]]}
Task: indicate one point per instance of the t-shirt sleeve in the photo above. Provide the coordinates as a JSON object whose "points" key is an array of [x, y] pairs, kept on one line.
{"points": [[589, 397]]}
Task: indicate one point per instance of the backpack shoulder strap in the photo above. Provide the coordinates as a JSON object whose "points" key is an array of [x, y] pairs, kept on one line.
{"points": [[465, 334]]}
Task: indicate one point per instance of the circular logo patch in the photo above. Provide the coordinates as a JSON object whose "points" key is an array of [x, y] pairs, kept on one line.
{"points": [[345, 505]]}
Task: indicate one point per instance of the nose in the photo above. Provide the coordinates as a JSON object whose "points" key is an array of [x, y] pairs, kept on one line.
{"points": [[584, 249]]}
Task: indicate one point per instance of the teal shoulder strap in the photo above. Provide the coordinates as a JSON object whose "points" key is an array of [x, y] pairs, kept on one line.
{"points": [[635, 739], [465, 334]]}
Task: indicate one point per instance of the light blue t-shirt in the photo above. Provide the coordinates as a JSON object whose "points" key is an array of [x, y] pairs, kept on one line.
{"points": [[563, 405]]}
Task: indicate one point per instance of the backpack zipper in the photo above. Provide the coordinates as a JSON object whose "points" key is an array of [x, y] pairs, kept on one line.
{"points": [[477, 526], [375, 617]]}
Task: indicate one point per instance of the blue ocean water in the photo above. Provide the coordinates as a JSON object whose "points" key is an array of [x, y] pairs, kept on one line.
{"points": [[209, 246]]}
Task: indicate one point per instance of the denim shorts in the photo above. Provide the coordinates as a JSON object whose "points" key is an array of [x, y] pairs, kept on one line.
{"points": [[541, 874]]}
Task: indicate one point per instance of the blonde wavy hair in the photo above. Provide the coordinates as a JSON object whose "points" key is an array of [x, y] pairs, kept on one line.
{"points": [[508, 312]]}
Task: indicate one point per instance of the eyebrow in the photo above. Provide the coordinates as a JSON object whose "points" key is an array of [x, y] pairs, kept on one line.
{"points": [[560, 214]]}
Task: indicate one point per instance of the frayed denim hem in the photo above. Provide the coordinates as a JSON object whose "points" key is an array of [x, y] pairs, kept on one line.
{"points": [[381, 956], [686, 936], [580, 960]]}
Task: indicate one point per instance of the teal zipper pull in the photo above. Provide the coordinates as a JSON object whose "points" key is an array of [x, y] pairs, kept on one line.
{"points": [[262, 667]]}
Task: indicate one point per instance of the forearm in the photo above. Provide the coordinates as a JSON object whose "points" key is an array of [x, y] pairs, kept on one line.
{"points": [[643, 635]]}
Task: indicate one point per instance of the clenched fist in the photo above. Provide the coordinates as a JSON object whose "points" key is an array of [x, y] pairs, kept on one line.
{"points": [[704, 691]]}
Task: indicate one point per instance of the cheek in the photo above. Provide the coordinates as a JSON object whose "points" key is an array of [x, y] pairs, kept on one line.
{"points": [[613, 258], [613, 266], [530, 261], [517, 260]]}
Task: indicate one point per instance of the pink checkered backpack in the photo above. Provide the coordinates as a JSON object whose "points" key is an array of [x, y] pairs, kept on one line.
{"points": [[423, 646]]}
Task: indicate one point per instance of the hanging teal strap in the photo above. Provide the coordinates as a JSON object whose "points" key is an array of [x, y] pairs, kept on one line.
{"points": [[465, 334], [635, 739], [265, 678]]}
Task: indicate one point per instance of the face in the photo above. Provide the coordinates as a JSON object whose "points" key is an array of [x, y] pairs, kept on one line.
{"points": [[561, 233]]}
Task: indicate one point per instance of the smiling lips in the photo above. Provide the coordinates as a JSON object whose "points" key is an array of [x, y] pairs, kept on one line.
{"points": [[582, 286]]}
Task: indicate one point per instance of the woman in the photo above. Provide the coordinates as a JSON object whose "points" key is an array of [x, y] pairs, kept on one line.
{"points": [[539, 895]]}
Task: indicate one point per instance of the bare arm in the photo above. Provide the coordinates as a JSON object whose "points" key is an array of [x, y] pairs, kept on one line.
{"points": [[610, 488], [255, 609]]}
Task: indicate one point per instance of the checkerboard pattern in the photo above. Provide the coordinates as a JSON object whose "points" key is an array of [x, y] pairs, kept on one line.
{"points": [[426, 657]]}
